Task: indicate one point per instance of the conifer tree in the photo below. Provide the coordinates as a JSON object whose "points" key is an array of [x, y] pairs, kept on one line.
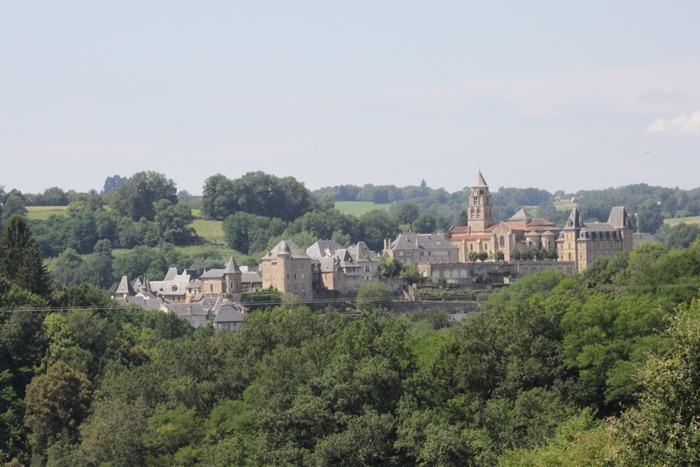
{"points": [[20, 258]]}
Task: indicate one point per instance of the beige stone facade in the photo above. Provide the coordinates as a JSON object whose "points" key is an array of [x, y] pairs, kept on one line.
{"points": [[221, 281], [288, 269], [344, 270], [584, 243], [410, 248]]}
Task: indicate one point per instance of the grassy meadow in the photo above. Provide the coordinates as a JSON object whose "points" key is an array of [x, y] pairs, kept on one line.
{"points": [[684, 220], [359, 207], [41, 213]]}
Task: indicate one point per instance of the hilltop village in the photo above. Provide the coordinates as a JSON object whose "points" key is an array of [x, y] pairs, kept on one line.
{"points": [[458, 256]]}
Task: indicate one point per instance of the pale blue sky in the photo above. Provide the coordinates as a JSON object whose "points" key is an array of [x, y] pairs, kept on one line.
{"points": [[555, 95]]}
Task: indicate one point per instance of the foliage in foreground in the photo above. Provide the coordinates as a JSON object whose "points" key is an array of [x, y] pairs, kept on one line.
{"points": [[555, 370]]}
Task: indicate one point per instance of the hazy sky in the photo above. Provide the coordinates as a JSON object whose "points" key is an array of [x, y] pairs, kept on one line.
{"points": [[555, 95]]}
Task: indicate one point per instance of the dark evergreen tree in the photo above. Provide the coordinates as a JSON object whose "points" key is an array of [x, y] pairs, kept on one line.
{"points": [[20, 258]]}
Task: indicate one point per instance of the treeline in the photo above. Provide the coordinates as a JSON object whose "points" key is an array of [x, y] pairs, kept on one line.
{"points": [[259, 210], [595, 369], [649, 205]]}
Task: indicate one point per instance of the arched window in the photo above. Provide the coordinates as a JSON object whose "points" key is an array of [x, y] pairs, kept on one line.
{"points": [[502, 241]]}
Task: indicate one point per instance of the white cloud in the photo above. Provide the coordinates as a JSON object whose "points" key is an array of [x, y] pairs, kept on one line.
{"points": [[685, 123]]}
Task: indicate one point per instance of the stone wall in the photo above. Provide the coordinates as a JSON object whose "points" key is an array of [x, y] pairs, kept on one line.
{"points": [[465, 273]]}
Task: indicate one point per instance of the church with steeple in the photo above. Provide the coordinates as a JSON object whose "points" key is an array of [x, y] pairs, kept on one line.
{"points": [[482, 233], [578, 242]]}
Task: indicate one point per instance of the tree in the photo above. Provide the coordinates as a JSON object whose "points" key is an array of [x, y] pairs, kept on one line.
{"points": [[425, 223], [389, 267], [649, 217], [681, 235], [411, 274], [373, 296], [376, 226], [473, 256], [113, 182], [664, 429], [218, 197], [56, 404], [173, 222], [499, 255], [482, 255], [54, 196], [136, 198], [20, 258], [14, 203], [408, 213]]}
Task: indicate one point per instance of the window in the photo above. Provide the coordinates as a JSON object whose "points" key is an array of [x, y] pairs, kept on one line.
{"points": [[295, 277], [287, 276], [296, 287], [303, 276]]}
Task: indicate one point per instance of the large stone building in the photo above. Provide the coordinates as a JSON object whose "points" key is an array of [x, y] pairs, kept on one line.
{"points": [[344, 270], [482, 233], [583, 243], [287, 268], [410, 248]]}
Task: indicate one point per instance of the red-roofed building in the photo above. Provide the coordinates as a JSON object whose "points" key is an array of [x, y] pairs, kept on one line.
{"points": [[482, 233]]}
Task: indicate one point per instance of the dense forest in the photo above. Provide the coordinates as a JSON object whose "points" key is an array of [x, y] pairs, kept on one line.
{"points": [[600, 368]]}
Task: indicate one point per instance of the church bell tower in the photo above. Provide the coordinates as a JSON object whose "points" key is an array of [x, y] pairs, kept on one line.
{"points": [[480, 209]]}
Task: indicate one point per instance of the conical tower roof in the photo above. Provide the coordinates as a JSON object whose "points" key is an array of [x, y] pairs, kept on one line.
{"points": [[125, 287], [574, 221], [231, 266], [520, 215], [480, 182]]}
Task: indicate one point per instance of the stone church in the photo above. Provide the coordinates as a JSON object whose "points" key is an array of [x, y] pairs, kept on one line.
{"points": [[482, 233]]}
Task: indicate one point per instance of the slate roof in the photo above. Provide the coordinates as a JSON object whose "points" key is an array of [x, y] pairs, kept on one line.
{"points": [[124, 287], [194, 313], [411, 241], [231, 266], [251, 277], [598, 227], [360, 252], [520, 216], [323, 248], [641, 238], [286, 247], [618, 218], [171, 274], [228, 314], [574, 221], [212, 274], [145, 303], [327, 263]]}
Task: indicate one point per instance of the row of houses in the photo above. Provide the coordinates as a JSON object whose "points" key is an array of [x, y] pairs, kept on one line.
{"points": [[327, 267]]}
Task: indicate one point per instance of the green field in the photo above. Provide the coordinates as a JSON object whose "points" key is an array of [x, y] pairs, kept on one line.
{"points": [[684, 220], [211, 231], [564, 205], [41, 213], [359, 207]]}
